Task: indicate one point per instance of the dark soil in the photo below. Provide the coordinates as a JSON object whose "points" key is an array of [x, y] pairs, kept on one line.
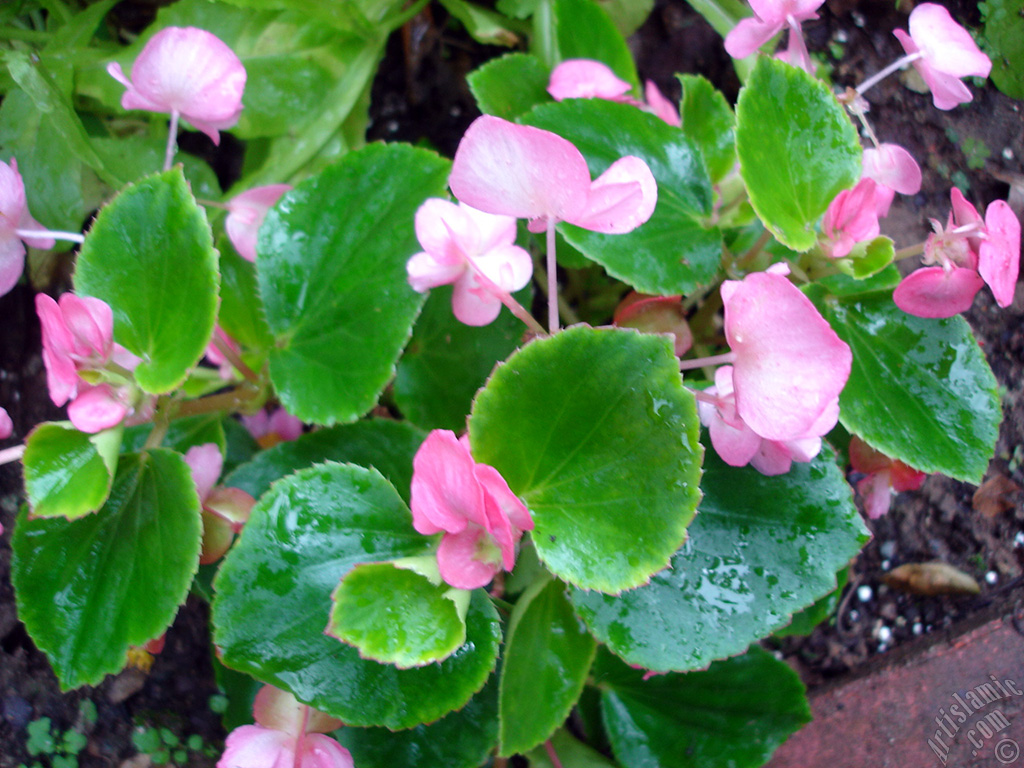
{"points": [[420, 94]]}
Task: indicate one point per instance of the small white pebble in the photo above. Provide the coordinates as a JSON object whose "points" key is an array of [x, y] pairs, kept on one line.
{"points": [[883, 635], [991, 577], [854, 614], [1007, 153], [858, 19], [841, 36], [918, 628], [887, 549], [864, 593], [1018, 540], [886, 565]]}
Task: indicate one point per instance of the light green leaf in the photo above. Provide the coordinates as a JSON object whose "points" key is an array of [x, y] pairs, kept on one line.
{"points": [[122, 572], [331, 268], [674, 252], [510, 86], [571, 754], [150, 256], [797, 149], [735, 713], [710, 123], [760, 549], [586, 31], [920, 390], [396, 615], [68, 473], [594, 431], [274, 596], [547, 658]]}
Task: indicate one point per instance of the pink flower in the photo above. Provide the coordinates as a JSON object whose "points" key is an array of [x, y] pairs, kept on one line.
{"points": [[946, 54], [883, 476], [187, 72], [529, 173], [6, 426], [288, 735], [225, 510], [661, 106], [215, 356], [656, 314], [789, 365], [894, 170], [851, 218], [737, 444], [770, 18], [474, 250], [482, 520], [246, 213], [969, 252], [16, 227], [269, 429]]}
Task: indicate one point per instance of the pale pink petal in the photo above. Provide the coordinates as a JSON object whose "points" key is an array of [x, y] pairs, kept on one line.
{"points": [[278, 709], [772, 458], [790, 365], [660, 105], [246, 213], [61, 376], [934, 292], [457, 558], [520, 171], [284, 425], [585, 79], [804, 449], [473, 302], [12, 197], [509, 267], [232, 505], [188, 71], [444, 229], [253, 746], [425, 271], [620, 199], [876, 493], [947, 90], [736, 446], [948, 47], [12, 262], [319, 751], [749, 35], [97, 408], [999, 255], [27, 224], [445, 493], [964, 214], [507, 516], [6, 425], [890, 165], [851, 218], [91, 322], [490, 231], [206, 462]]}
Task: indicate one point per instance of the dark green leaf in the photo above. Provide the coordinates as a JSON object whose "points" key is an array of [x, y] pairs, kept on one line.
{"points": [[709, 121], [586, 31]]}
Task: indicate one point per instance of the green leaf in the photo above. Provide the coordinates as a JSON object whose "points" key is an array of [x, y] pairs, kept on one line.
{"points": [[593, 429], [920, 390], [673, 252], [122, 572], [461, 739], [68, 473], [735, 713], [241, 310], [150, 256], [797, 149], [709, 122], [136, 157], [627, 15], [571, 754], [1004, 41], [760, 549], [387, 446], [274, 596], [586, 31], [447, 362], [510, 86], [547, 658], [803, 623], [331, 268], [484, 25], [397, 615]]}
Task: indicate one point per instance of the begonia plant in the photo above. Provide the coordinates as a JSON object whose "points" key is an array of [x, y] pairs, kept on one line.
{"points": [[433, 531]]}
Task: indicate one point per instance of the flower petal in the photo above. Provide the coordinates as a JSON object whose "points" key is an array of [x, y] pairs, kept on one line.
{"points": [[948, 47], [620, 199], [246, 213], [999, 255], [446, 495], [457, 558], [585, 79], [934, 292]]}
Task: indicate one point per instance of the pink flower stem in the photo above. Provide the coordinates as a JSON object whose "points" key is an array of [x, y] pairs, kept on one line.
{"points": [[704, 396], [74, 237], [235, 360], [552, 755], [301, 737], [514, 306], [900, 63], [14, 453], [172, 140], [798, 46], [552, 267], [701, 362]]}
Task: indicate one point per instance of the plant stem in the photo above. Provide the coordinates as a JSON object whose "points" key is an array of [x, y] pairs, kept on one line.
{"points": [[233, 358], [14, 453], [172, 140], [900, 63], [74, 237], [909, 251], [701, 362], [747, 258], [552, 268], [552, 755], [232, 400]]}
